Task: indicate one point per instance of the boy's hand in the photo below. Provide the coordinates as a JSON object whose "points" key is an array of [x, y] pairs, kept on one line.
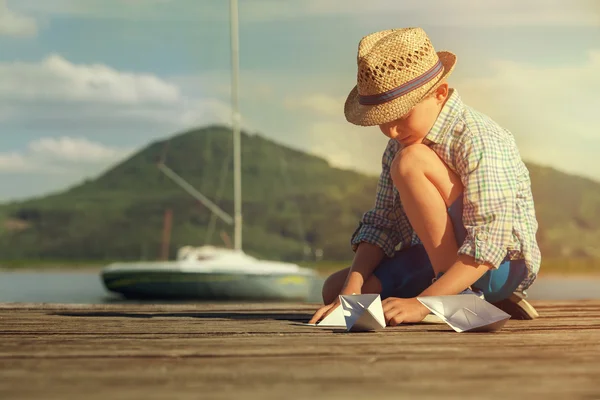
{"points": [[397, 311], [324, 311]]}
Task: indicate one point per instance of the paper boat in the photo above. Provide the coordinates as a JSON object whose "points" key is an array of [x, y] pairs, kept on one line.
{"points": [[358, 313], [466, 312]]}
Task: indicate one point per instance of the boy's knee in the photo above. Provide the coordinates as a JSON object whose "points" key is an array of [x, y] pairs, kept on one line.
{"points": [[410, 160], [418, 160]]}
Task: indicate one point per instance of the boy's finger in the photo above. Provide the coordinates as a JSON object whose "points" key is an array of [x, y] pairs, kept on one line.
{"points": [[316, 316], [396, 320], [394, 317], [319, 314], [387, 306], [390, 314], [331, 308]]}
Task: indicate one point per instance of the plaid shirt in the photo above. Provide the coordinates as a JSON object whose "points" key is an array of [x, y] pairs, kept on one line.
{"points": [[498, 210]]}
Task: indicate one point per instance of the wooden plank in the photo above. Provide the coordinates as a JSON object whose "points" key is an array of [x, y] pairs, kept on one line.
{"points": [[261, 351]]}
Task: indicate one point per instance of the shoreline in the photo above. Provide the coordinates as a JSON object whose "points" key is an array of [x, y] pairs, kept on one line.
{"points": [[57, 270], [95, 269]]}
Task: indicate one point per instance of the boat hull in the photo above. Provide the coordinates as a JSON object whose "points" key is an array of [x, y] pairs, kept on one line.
{"points": [[208, 286]]}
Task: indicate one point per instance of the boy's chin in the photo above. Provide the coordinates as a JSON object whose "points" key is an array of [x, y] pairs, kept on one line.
{"points": [[408, 142]]}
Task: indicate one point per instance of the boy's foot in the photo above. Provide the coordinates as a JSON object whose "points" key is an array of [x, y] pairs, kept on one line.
{"points": [[517, 307]]}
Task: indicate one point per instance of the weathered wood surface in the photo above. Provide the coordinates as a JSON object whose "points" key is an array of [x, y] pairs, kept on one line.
{"points": [[261, 351]]}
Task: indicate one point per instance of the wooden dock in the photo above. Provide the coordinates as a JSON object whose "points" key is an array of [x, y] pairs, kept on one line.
{"points": [[262, 351]]}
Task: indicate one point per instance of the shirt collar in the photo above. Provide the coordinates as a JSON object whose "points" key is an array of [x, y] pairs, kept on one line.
{"points": [[446, 118]]}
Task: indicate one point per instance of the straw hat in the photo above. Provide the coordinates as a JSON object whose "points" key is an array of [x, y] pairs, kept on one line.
{"points": [[397, 68]]}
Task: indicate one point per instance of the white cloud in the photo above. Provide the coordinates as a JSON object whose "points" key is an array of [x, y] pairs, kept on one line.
{"points": [[67, 104], [347, 146], [57, 78], [166, 10], [319, 103], [15, 24], [493, 13], [552, 111], [441, 12], [14, 162], [58, 94], [60, 155], [78, 150]]}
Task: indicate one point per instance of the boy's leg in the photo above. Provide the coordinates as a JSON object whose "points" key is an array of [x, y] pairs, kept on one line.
{"points": [[406, 275], [427, 189], [499, 287]]}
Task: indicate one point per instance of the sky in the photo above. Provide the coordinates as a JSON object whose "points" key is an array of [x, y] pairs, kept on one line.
{"points": [[85, 83]]}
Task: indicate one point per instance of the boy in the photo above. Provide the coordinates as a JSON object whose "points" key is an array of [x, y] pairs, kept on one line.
{"points": [[454, 210]]}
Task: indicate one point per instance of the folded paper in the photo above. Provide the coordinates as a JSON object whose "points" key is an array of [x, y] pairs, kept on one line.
{"points": [[358, 313], [466, 312]]}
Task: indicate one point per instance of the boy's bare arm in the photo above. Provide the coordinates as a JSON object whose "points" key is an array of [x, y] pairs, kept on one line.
{"points": [[366, 259]]}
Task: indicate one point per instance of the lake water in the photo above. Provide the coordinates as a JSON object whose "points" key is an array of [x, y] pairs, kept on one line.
{"points": [[87, 288]]}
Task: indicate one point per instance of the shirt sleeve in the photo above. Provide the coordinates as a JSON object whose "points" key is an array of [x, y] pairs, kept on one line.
{"points": [[489, 179], [385, 225]]}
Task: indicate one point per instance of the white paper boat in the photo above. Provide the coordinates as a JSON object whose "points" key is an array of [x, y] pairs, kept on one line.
{"points": [[466, 312], [358, 313]]}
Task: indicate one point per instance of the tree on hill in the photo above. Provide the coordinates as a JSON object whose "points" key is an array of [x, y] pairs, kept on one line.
{"points": [[291, 200]]}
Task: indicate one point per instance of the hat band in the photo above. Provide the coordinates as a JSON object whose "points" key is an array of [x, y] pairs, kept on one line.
{"points": [[401, 90]]}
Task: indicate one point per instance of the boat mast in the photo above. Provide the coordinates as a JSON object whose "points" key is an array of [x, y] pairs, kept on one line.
{"points": [[235, 116]]}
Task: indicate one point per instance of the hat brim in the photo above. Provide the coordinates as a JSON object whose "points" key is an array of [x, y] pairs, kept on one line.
{"points": [[371, 115]]}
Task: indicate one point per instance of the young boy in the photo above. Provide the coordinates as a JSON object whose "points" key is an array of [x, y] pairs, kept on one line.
{"points": [[454, 211]]}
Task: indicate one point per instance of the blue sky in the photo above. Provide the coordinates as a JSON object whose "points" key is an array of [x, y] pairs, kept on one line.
{"points": [[83, 83]]}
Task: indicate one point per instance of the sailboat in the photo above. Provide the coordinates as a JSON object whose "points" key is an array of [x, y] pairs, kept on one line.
{"points": [[208, 272]]}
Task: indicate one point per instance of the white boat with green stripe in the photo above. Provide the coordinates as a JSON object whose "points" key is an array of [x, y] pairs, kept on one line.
{"points": [[210, 273], [213, 273]]}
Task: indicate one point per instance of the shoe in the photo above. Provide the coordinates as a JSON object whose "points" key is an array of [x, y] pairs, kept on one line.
{"points": [[517, 307]]}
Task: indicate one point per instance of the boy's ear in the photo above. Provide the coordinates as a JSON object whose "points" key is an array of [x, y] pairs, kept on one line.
{"points": [[441, 93]]}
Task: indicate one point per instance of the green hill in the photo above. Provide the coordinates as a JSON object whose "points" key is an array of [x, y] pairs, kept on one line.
{"points": [[290, 199], [120, 214]]}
